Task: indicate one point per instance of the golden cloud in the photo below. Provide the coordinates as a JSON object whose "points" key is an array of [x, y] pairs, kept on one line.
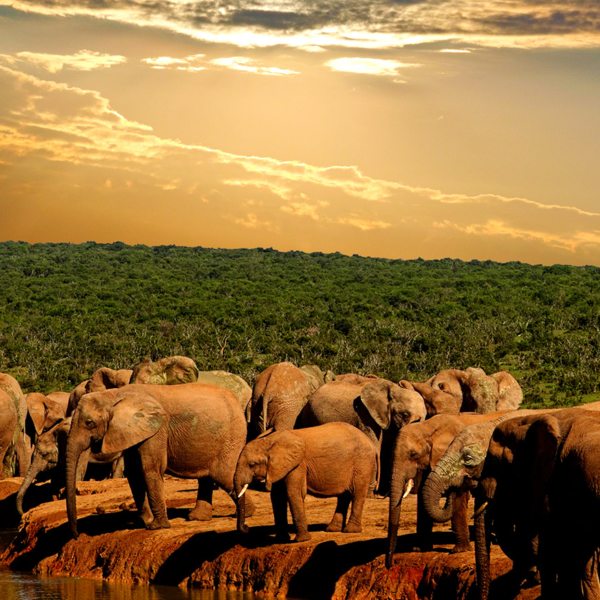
{"points": [[84, 60], [249, 65], [369, 66], [190, 63], [53, 134]]}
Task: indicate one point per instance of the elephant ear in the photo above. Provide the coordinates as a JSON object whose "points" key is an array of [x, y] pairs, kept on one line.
{"points": [[540, 448], [286, 452], [102, 379], [482, 395], [375, 396], [123, 377], [36, 407], [180, 369], [55, 412], [510, 394], [135, 418]]}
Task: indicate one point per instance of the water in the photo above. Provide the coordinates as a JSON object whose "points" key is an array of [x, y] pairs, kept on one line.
{"points": [[24, 586]]}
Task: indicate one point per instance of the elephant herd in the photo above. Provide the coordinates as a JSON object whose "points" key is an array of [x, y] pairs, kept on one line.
{"points": [[534, 474]]}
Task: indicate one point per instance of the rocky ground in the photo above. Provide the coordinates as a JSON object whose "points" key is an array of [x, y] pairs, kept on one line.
{"points": [[211, 555]]}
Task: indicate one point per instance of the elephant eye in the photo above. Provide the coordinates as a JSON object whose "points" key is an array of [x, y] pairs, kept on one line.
{"points": [[469, 458]]}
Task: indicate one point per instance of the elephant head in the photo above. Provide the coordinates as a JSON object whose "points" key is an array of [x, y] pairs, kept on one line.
{"points": [[459, 468], [49, 447], [388, 404], [108, 422], [106, 378], [46, 410], [166, 371], [267, 459], [454, 390], [412, 456]]}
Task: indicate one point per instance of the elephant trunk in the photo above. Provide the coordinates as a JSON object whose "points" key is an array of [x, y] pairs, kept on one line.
{"points": [[75, 447], [396, 496], [241, 480], [433, 490], [38, 465], [482, 553]]}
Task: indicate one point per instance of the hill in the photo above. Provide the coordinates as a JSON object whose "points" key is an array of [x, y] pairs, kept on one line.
{"points": [[67, 309]]}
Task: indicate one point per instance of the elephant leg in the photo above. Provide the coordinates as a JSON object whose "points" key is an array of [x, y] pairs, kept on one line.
{"points": [[23, 450], [424, 527], [354, 524], [137, 484], [203, 509], [295, 483], [590, 577], [117, 468], [460, 525], [279, 504], [339, 516], [153, 457]]}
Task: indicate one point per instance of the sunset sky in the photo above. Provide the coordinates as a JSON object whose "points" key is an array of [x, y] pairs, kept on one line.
{"points": [[399, 128]]}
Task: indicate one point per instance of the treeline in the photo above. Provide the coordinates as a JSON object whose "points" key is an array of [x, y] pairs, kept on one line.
{"points": [[67, 309]]}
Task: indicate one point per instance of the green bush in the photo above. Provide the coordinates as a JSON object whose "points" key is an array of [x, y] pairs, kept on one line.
{"points": [[67, 309]]}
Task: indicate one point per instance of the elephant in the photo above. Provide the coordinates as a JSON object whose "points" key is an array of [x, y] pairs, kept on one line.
{"points": [[279, 394], [189, 430], [417, 450], [166, 371], [539, 492], [372, 404], [335, 459], [48, 454], [46, 410], [102, 379], [471, 390], [461, 465], [234, 383], [21, 446], [9, 421]]}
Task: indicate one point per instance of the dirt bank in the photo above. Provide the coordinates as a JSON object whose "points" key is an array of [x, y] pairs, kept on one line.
{"points": [[113, 547]]}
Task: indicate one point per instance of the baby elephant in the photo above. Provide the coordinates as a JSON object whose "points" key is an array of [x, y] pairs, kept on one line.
{"points": [[335, 459]]}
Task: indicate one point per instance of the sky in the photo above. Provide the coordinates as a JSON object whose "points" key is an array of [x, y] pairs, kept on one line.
{"points": [[393, 128]]}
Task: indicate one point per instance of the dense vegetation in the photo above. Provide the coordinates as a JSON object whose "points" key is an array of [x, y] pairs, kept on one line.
{"points": [[68, 309]]}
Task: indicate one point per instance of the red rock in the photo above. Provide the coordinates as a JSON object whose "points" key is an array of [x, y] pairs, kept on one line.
{"points": [[212, 555]]}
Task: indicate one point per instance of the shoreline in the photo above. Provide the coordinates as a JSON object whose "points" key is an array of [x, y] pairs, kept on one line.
{"points": [[212, 555]]}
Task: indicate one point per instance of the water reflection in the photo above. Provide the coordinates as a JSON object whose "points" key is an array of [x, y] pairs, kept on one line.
{"points": [[23, 586]]}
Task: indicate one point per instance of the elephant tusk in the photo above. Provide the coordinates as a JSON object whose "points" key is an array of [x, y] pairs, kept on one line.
{"points": [[409, 486], [481, 508], [243, 491]]}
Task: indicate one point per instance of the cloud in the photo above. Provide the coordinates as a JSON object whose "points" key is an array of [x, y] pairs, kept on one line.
{"points": [[198, 62], [192, 63], [249, 65], [363, 224], [60, 144], [353, 23], [369, 66], [84, 60], [571, 242]]}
